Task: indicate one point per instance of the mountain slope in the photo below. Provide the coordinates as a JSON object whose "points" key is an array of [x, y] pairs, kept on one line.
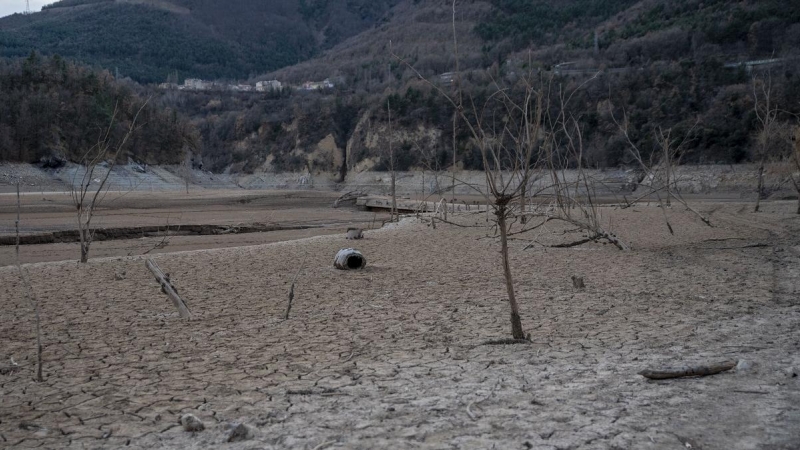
{"points": [[149, 40]]}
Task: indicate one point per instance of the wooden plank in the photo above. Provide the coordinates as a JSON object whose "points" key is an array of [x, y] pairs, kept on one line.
{"points": [[167, 288]]}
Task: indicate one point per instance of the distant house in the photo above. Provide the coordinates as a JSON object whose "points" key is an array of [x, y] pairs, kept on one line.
{"points": [[447, 78], [195, 84], [267, 86], [317, 85]]}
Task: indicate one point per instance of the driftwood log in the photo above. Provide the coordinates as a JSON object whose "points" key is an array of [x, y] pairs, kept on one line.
{"points": [[688, 371], [167, 288], [349, 259]]}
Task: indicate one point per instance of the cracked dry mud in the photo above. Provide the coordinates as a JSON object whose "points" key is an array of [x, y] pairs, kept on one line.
{"points": [[391, 356]]}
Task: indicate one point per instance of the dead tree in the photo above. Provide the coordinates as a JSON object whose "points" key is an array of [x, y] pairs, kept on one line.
{"points": [[575, 202], [795, 159], [88, 192], [392, 161], [506, 153], [506, 130], [661, 176], [186, 169], [767, 115]]}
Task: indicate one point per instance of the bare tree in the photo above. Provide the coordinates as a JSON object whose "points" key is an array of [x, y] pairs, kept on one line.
{"points": [[508, 131], [392, 161], [575, 202], [767, 115], [660, 174], [186, 169], [90, 191]]}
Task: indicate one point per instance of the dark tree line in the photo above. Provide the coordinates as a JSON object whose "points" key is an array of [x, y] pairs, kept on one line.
{"points": [[52, 110]]}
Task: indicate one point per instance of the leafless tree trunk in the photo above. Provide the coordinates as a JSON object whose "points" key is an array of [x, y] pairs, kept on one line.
{"points": [[460, 102], [666, 161], [501, 212], [796, 159], [767, 115], [395, 215], [16, 222], [760, 190], [87, 198], [186, 170]]}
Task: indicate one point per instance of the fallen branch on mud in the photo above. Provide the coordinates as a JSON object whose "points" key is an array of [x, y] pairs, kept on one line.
{"points": [[478, 402], [167, 288], [291, 289], [688, 371], [506, 342], [759, 245]]}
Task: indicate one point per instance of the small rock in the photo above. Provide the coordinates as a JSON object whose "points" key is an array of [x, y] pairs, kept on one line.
{"points": [[191, 423], [744, 365], [240, 432]]}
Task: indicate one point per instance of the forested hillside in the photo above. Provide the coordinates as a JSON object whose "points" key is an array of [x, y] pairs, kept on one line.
{"points": [[52, 111], [149, 40], [689, 66], [661, 64]]}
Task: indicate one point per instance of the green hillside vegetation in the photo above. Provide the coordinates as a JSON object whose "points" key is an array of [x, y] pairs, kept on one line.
{"points": [[661, 64], [52, 111], [150, 40], [668, 58], [545, 22]]}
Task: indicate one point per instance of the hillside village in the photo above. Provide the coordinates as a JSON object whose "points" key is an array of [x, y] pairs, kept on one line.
{"points": [[196, 84]]}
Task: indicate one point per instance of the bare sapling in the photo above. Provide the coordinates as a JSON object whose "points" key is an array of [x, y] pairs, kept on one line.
{"points": [[430, 163], [88, 192], [507, 130], [767, 114], [459, 98], [34, 301], [186, 169], [573, 202], [795, 161], [659, 169], [392, 160]]}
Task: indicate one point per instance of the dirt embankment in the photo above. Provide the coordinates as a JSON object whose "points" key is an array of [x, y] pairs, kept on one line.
{"points": [[736, 182], [133, 223]]}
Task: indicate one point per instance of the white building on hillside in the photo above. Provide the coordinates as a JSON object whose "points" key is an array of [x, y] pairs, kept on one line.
{"points": [[196, 84], [266, 86]]}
